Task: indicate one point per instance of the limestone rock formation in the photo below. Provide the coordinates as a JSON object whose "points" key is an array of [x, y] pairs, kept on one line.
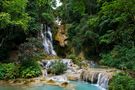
{"points": [[64, 84], [97, 76], [61, 36]]}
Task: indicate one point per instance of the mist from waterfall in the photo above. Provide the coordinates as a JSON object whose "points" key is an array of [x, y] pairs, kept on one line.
{"points": [[46, 35]]}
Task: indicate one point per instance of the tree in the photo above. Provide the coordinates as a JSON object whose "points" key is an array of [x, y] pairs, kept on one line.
{"points": [[14, 21]]}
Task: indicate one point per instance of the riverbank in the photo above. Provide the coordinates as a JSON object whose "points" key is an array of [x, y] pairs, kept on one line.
{"points": [[51, 80]]}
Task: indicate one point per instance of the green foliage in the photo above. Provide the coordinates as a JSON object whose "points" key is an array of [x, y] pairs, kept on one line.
{"points": [[48, 17], [116, 22], [29, 53], [41, 3], [76, 60], [13, 23], [31, 50], [120, 57], [41, 12], [91, 6], [29, 69], [82, 36], [100, 32], [15, 6], [122, 82], [78, 7], [58, 68], [23, 16], [98, 27], [16, 10], [8, 71], [4, 19], [71, 10]]}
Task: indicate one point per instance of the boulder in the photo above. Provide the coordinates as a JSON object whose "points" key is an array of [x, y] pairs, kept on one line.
{"points": [[64, 84]]}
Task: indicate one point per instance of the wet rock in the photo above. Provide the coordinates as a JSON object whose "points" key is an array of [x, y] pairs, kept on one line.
{"points": [[64, 84], [26, 82], [73, 77], [98, 76], [51, 81]]}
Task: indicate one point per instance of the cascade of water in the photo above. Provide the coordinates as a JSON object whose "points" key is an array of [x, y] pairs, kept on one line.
{"points": [[86, 78], [46, 74], [47, 39], [103, 80], [67, 62], [49, 64], [99, 77], [92, 78], [60, 78]]}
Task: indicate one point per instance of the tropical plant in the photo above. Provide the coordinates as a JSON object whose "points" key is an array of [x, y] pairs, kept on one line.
{"points": [[8, 71], [122, 82], [120, 57], [58, 68], [29, 69]]}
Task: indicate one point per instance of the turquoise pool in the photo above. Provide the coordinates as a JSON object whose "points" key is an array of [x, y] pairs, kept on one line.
{"points": [[77, 86]]}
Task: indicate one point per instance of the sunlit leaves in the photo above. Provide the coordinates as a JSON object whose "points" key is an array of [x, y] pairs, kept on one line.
{"points": [[4, 19], [48, 17], [22, 22], [14, 13], [41, 3], [108, 37], [14, 6]]}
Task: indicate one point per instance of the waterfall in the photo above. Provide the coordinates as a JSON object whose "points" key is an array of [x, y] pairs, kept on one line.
{"points": [[48, 63], [103, 80], [94, 77], [46, 74], [47, 39]]}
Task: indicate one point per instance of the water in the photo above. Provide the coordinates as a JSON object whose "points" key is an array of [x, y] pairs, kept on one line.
{"points": [[43, 87], [47, 39], [77, 86], [85, 86], [103, 80], [61, 78]]}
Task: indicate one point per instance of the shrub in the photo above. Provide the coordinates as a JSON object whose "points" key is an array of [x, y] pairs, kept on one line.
{"points": [[29, 69], [120, 57], [8, 71], [122, 82], [76, 60], [58, 68], [31, 50]]}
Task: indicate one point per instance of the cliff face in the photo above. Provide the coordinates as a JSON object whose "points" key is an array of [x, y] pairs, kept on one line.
{"points": [[63, 48], [61, 36]]}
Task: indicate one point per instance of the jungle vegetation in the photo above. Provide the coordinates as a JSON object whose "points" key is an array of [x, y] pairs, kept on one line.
{"points": [[104, 30]]}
